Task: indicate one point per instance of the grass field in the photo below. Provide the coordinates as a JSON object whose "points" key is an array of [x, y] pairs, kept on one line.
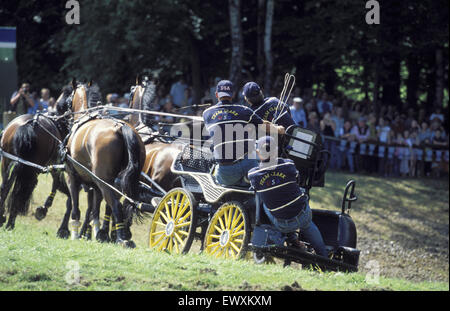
{"points": [[402, 231]]}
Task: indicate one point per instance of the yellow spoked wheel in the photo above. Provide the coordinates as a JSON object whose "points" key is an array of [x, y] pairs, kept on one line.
{"points": [[228, 232], [174, 221]]}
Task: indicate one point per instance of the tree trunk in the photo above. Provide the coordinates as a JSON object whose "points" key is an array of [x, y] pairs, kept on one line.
{"points": [[260, 40], [391, 82], [439, 97], [195, 70], [431, 82], [237, 43], [376, 85], [412, 83], [268, 47]]}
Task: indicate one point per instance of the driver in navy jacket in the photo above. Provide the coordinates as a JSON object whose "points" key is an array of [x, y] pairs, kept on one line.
{"points": [[284, 202], [233, 128]]}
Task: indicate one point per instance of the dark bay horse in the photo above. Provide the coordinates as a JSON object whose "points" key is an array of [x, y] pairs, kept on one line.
{"points": [[30, 138], [110, 149]]}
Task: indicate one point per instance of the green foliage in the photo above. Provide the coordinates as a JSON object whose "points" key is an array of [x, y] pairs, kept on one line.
{"points": [[119, 39]]}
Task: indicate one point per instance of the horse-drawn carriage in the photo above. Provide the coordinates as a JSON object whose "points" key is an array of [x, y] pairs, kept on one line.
{"points": [[230, 220]]}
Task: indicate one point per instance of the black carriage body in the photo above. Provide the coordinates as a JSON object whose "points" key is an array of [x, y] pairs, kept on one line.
{"points": [[337, 229]]}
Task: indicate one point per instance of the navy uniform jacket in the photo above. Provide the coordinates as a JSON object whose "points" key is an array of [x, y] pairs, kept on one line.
{"points": [[267, 109], [223, 117], [278, 189]]}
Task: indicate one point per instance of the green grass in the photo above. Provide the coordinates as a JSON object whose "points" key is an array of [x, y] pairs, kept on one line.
{"points": [[32, 258]]}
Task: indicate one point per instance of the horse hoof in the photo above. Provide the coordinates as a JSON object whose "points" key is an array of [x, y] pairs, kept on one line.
{"points": [[127, 234], [113, 236], [9, 227], [102, 236], [131, 244], [40, 213], [126, 243], [86, 234], [63, 233]]}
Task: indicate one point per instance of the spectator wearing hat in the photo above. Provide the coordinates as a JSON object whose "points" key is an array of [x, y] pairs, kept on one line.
{"points": [[298, 113], [437, 115], [233, 145], [284, 202]]}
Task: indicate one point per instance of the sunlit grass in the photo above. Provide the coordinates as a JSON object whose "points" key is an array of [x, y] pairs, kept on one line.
{"points": [[34, 259]]}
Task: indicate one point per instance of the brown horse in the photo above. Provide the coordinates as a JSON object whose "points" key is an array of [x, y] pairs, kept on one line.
{"points": [[159, 155], [30, 138], [109, 149]]}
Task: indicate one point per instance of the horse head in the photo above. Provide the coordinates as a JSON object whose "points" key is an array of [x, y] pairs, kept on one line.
{"points": [[142, 96]]}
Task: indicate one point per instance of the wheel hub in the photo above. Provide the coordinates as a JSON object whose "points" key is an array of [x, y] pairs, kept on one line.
{"points": [[224, 238], [169, 228]]}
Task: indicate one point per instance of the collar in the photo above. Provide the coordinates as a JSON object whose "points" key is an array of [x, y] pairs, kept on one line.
{"points": [[224, 102]]}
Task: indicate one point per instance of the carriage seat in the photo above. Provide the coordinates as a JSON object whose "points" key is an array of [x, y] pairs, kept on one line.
{"points": [[195, 160]]}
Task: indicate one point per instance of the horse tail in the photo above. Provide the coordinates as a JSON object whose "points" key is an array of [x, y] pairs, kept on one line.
{"points": [[26, 178], [129, 177]]}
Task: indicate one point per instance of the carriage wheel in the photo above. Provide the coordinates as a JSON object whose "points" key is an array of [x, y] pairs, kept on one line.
{"points": [[228, 232], [174, 222]]}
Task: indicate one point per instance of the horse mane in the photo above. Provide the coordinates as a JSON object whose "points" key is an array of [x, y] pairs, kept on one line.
{"points": [[61, 105], [147, 99]]}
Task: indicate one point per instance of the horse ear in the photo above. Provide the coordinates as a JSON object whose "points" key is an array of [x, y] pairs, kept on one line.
{"points": [[74, 83], [90, 83], [137, 79]]}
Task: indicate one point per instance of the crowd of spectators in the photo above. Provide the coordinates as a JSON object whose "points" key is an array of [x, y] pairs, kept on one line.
{"points": [[377, 139], [362, 137], [24, 100]]}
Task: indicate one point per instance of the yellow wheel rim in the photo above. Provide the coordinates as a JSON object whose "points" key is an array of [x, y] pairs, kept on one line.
{"points": [[169, 229], [226, 232]]}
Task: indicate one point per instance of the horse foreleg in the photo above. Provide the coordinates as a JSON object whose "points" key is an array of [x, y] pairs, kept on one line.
{"points": [[95, 223], [41, 211], [74, 223], [117, 211], [103, 233], [8, 175], [86, 230], [63, 231]]}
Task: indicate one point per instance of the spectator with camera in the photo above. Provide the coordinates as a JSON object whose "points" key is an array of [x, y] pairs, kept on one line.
{"points": [[21, 100]]}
